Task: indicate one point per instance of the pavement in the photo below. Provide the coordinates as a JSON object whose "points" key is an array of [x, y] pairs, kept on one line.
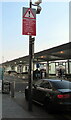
{"points": [[17, 108], [0, 106], [10, 109]]}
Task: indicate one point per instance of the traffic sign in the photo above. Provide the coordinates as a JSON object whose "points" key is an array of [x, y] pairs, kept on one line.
{"points": [[29, 21], [29, 14]]}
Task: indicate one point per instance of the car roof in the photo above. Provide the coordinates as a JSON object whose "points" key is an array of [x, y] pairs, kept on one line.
{"points": [[55, 80]]}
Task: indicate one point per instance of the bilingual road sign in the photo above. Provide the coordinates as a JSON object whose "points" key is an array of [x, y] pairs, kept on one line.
{"points": [[29, 21]]}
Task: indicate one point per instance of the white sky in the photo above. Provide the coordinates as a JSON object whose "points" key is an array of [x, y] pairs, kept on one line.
{"points": [[34, 0], [52, 27]]}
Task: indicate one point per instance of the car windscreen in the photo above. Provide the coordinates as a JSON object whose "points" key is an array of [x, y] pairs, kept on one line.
{"points": [[61, 84]]}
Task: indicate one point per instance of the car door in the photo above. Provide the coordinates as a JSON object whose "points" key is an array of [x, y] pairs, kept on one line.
{"points": [[35, 90], [41, 91]]}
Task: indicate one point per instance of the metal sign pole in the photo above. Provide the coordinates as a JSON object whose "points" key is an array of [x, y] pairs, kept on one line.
{"points": [[30, 69], [29, 28]]}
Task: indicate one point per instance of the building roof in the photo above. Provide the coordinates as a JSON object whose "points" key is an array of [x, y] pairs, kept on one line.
{"points": [[61, 52]]}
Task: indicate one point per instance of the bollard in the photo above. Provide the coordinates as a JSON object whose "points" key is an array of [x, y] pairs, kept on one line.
{"points": [[6, 87], [12, 89]]}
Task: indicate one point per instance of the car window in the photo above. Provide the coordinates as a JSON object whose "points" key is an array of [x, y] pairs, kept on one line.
{"points": [[45, 84], [38, 82]]}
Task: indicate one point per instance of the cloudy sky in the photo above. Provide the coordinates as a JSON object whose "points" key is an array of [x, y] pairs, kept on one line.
{"points": [[52, 27]]}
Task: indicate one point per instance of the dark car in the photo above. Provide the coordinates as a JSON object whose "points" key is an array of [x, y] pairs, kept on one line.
{"points": [[52, 94]]}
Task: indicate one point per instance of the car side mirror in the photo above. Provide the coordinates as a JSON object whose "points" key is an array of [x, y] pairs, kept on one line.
{"points": [[49, 87], [35, 86]]}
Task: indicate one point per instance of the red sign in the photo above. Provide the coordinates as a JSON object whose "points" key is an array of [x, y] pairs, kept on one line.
{"points": [[29, 22]]}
